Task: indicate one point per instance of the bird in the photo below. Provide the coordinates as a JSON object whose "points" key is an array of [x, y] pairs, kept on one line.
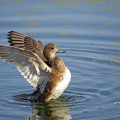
{"points": [[38, 63]]}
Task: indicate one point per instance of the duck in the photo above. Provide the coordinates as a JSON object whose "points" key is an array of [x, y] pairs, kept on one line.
{"points": [[38, 63]]}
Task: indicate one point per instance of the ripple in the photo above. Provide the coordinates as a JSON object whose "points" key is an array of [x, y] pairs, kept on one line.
{"points": [[76, 98]]}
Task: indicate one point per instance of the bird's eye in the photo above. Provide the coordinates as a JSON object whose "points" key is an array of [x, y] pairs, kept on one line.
{"points": [[52, 48]]}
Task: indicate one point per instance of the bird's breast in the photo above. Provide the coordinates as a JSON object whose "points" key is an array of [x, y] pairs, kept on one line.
{"points": [[60, 86]]}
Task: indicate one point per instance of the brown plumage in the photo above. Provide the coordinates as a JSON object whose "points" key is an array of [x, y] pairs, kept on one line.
{"points": [[20, 40], [49, 80]]}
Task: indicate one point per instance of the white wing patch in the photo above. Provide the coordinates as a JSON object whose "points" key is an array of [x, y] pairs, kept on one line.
{"points": [[30, 73]]}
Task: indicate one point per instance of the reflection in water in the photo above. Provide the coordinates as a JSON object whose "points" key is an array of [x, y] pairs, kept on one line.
{"points": [[54, 110]]}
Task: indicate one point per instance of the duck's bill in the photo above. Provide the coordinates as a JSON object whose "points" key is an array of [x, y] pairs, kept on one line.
{"points": [[61, 51]]}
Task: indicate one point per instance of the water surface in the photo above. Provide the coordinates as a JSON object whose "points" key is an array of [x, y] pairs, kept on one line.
{"points": [[89, 30]]}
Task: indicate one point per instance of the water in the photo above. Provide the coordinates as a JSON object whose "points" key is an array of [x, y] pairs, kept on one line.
{"points": [[90, 32]]}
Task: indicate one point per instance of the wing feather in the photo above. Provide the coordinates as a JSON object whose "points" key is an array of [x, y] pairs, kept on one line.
{"points": [[29, 64], [20, 40]]}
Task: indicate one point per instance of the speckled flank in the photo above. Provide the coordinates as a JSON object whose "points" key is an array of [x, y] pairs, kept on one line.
{"points": [[58, 81]]}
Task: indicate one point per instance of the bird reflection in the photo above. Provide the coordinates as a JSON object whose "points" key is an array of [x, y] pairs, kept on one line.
{"points": [[53, 110]]}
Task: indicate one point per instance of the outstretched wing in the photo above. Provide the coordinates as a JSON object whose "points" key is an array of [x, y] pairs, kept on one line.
{"points": [[29, 64], [20, 40]]}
